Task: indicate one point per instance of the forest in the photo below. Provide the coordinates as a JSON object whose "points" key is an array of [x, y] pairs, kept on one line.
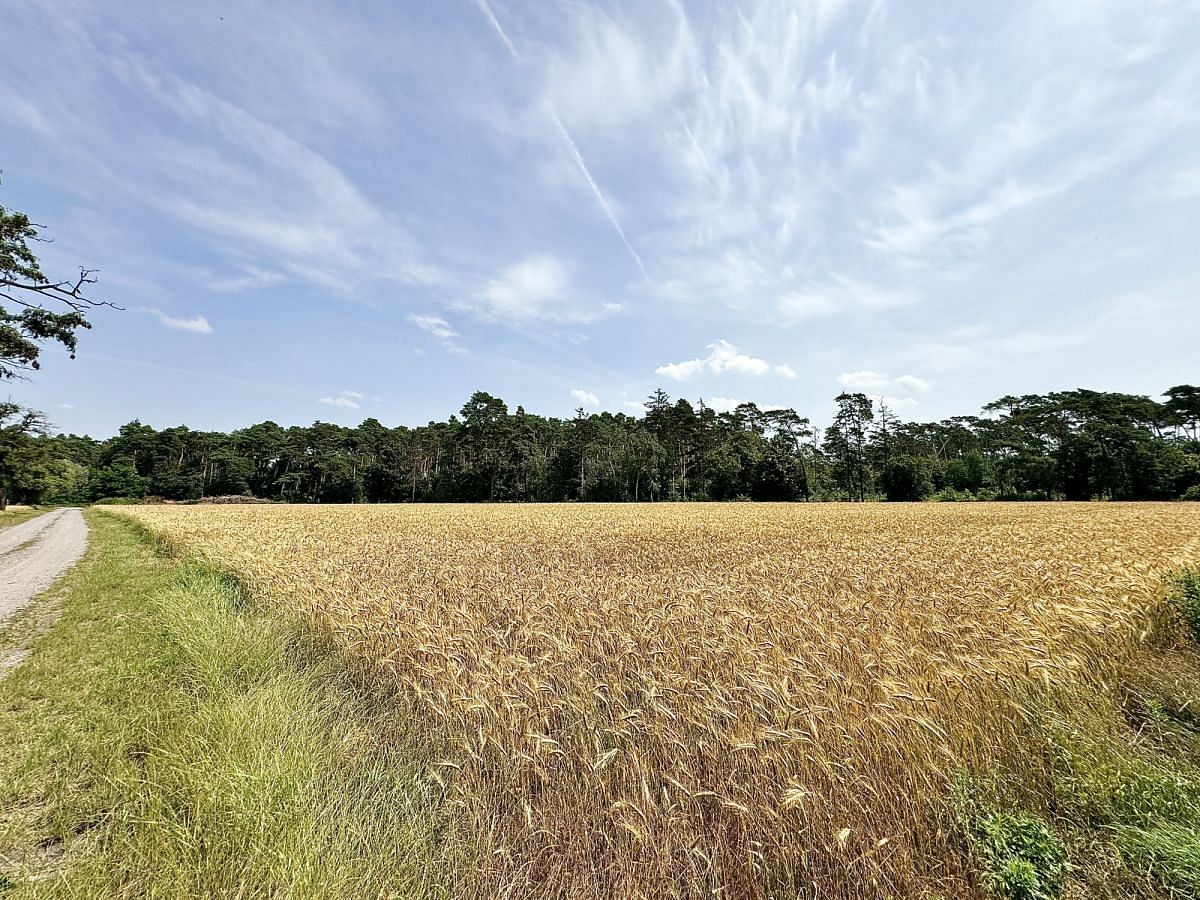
{"points": [[1068, 445]]}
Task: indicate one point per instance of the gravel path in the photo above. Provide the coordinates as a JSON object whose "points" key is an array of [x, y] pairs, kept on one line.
{"points": [[34, 553]]}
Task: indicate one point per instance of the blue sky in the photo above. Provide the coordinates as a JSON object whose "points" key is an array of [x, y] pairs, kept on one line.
{"points": [[315, 211]]}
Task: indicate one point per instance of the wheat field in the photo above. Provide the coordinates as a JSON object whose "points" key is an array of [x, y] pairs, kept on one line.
{"points": [[714, 700]]}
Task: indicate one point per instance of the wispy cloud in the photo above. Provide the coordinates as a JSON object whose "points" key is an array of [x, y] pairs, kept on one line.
{"points": [[571, 145], [439, 328], [838, 295], [435, 325], [249, 184], [195, 324], [249, 278], [344, 400], [874, 382]]}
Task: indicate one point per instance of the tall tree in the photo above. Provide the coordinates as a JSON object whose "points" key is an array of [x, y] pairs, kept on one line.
{"points": [[1183, 405], [846, 442]]}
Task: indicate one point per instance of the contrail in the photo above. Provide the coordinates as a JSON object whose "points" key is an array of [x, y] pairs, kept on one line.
{"points": [[596, 190], [486, 9]]}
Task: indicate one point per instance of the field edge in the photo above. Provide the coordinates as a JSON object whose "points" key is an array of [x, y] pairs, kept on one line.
{"points": [[167, 736]]}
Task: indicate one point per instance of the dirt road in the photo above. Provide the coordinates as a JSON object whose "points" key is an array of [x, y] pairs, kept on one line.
{"points": [[34, 553]]}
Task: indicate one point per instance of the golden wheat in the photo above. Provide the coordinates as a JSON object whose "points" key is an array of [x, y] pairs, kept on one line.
{"points": [[713, 700]]}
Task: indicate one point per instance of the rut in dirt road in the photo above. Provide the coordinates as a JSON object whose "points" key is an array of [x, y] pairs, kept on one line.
{"points": [[34, 553]]}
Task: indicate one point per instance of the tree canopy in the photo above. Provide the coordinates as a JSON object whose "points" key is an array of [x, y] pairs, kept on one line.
{"points": [[1075, 445]]}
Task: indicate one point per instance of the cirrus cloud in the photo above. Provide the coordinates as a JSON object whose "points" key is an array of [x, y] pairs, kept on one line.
{"points": [[875, 382]]}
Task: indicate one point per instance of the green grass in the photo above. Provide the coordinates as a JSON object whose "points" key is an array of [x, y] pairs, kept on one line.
{"points": [[1186, 598], [16, 516], [168, 739]]}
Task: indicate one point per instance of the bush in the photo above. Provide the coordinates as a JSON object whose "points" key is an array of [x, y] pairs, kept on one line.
{"points": [[906, 478], [951, 495], [1192, 493], [116, 501], [1186, 599], [1020, 856]]}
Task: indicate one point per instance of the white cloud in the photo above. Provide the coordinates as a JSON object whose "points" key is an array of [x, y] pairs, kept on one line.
{"points": [[911, 383], [874, 382], [723, 404], [585, 398], [435, 325], [344, 400], [862, 381], [723, 357], [440, 329], [196, 324], [67, 406], [525, 290], [800, 305]]}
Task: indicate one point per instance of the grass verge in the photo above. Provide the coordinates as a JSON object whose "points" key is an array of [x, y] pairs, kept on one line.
{"points": [[15, 516], [166, 738], [1124, 815]]}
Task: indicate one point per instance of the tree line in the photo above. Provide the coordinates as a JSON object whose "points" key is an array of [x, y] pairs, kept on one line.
{"points": [[1072, 445]]}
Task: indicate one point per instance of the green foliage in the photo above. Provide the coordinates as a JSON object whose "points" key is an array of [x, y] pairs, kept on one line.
{"points": [[1020, 857], [952, 495], [906, 478], [1186, 598], [26, 321], [118, 480]]}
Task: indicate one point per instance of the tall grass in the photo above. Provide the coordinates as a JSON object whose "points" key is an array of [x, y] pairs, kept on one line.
{"points": [[173, 740]]}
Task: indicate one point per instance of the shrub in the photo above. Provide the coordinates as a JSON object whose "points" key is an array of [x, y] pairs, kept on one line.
{"points": [[1186, 599], [1020, 856]]}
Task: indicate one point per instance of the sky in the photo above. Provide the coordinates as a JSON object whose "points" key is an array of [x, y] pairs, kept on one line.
{"points": [[338, 211]]}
